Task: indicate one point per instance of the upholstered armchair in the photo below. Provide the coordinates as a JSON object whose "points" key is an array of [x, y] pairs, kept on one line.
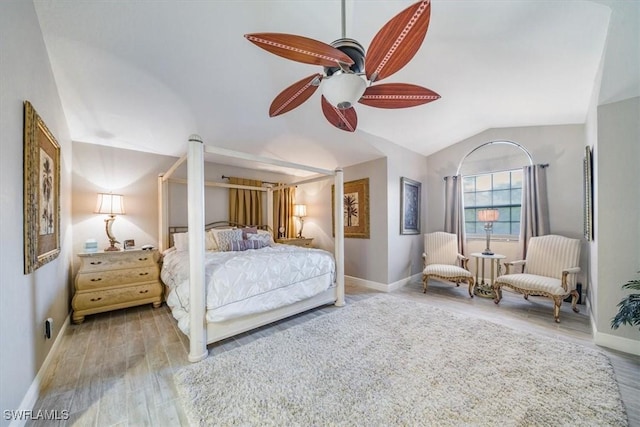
{"points": [[549, 270], [442, 260]]}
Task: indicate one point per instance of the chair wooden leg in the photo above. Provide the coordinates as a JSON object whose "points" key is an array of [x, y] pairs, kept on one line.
{"points": [[471, 286], [557, 302], [497, 290], [574, 301], [425, 278]]}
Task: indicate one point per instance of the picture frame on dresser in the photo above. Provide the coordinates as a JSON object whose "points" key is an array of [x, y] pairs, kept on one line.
{"points": [[410, 206], [41, 192]]}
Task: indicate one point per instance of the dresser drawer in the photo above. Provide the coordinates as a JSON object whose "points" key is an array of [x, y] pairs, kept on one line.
{"points": [[109, 297], [106, 261], [106, 278]]}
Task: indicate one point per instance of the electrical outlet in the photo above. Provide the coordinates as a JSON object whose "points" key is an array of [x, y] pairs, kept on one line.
{"points": [[48, 328]]}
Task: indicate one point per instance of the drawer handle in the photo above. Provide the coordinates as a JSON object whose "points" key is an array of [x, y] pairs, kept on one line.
{"points": [[96, 262], [143, 259], [144, 274], [145, 291], [96, 299], [96, 280]]}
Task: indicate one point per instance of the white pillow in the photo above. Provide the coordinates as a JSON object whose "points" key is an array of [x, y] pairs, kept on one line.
{"points": [[210, 241], [181, 241]]}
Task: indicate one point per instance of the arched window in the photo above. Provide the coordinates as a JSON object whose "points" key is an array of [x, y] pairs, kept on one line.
{"points": [[492, 179]]}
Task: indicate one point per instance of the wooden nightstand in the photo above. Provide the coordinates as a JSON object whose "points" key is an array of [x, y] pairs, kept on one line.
{"points": [[307, 242], [111, 280]]}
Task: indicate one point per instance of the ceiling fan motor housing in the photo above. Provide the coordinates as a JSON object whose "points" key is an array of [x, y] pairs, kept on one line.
{"points": [[353, 50]]}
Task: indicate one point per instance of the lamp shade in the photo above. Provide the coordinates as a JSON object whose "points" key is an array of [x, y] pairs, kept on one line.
{"points": [[488, 215], [343, 90], [300, 210], [110, 204]]}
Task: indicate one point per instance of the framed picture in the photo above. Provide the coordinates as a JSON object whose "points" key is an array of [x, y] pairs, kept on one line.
{"points": [[41, 192], [356, 208], [410, 191], [588, 194], [129, 244]]}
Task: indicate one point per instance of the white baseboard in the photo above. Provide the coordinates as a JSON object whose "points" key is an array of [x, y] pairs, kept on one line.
{"points": [[383, 287], [33, 393], [614, 342]]}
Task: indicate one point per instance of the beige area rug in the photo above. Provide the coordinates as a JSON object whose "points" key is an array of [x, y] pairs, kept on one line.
{"points": [[388, 361]]}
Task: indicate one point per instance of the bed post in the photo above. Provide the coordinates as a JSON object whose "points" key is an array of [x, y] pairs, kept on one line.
{"points": [[270, 212], [195, 213], [163, 241], [339, 232]]}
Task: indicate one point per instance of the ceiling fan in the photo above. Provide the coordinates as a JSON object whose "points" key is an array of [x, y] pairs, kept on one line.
{"points": [[343, 80]]}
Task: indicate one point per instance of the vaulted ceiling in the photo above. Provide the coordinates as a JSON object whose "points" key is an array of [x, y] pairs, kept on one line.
{"points": [[145, 75]]}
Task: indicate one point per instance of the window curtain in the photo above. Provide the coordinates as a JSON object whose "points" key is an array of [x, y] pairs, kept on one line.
{"points": [[245, 206], [454, 210], [283, 201], [534, 214]]}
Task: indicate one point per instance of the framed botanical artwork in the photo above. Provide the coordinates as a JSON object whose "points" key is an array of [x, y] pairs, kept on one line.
{"points": [[41, 192], [356, 208], [588, 193], [410, 206]]}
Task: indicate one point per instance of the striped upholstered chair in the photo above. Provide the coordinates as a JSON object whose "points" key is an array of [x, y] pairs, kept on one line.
{"points": [[442, 260], [549, 270]]}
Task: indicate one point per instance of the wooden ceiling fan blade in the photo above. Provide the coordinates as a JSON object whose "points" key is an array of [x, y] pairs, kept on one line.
{"points": [[397, 95], [300, 49], [346, 120], [398, 41], [295, 95]]}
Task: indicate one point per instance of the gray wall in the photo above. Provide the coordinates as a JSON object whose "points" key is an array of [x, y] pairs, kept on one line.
{"points": [[405, 251], [562, 147], [364, 258], [387, 256], [27, 300], [617, 215]]}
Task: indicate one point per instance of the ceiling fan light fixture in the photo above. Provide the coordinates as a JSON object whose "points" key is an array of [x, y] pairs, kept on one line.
{"points": [[343, 90]]}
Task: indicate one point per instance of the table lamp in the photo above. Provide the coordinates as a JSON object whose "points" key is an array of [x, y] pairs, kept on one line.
{"points": [[112, 205], [488, 216], [300, 211]]}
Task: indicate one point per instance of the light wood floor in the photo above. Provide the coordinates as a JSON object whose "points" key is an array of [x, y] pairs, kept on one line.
{"points": [[116, 368]]}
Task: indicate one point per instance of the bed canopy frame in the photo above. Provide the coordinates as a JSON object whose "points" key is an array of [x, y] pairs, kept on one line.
{"points": [[201, 333]]}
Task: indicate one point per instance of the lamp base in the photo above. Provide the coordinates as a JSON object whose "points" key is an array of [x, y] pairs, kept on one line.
{"points": [[112, 239], [487, 252], [111, 249]]}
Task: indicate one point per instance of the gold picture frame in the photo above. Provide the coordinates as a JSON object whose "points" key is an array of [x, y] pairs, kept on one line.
{"points": [[41, 192], [356, 208]]}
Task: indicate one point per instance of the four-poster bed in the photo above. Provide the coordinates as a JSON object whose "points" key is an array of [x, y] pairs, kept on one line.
{"points": [[198, 321]]}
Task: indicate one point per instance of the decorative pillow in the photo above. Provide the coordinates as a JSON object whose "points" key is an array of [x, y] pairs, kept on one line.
{"points": [[248, 230], [263, 236], [225, 237], [243, 245], [181, 241], [210, 241]]}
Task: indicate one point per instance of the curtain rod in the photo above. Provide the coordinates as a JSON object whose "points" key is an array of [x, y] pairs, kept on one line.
{"points": [[542, 165], [264, 182]]}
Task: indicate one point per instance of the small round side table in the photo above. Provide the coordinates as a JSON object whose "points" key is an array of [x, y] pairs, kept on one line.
{"points": [[482, 288]]}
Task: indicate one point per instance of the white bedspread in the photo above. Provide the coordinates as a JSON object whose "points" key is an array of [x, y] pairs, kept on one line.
{"points": [[252, 281]]}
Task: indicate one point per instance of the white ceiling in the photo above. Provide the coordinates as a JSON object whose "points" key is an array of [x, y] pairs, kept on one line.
{"points": [[145, 75]]}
